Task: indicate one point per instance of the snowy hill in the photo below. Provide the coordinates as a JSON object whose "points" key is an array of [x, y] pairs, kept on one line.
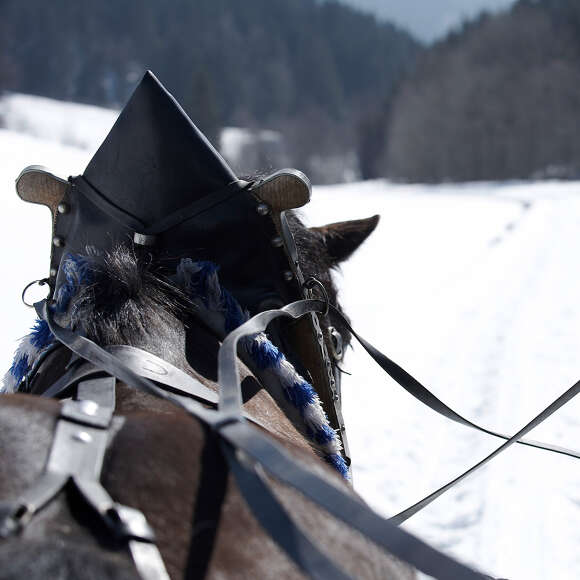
{"points": [[475, 289]]}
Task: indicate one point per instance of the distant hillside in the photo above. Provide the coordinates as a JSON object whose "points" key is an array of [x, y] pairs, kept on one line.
{"points": [[297, 66], [499, 100]]}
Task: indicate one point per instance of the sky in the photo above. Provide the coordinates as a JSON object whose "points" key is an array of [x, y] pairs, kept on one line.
{"points": [[428, 20]]}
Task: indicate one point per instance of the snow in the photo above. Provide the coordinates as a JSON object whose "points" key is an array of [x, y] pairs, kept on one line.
{"points": [[81, 126], [472, 288], [85, 126], [233, 140]]}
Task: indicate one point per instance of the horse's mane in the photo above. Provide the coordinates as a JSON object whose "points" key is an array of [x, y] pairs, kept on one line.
{"points": [[125, 295]]}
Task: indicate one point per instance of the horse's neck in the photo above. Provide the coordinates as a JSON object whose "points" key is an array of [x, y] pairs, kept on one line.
{"points": [[195, 351]]}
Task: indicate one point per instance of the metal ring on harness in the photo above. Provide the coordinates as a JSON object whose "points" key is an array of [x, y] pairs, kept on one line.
{"points": [[40, 282], [310, 283]]}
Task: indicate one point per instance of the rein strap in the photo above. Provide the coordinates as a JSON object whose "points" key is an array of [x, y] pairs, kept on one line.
{"points": [[248, 442], [83, 433]]}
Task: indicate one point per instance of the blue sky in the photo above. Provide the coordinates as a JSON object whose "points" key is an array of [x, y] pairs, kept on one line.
{"points": [[428, 19]]}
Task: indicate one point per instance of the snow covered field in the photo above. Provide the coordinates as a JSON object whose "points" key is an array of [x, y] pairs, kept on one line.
{"points": [[474, 289]]}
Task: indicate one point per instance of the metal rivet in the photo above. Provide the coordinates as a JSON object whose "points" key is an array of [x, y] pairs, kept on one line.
{"points": [[82, 436], [335, 397], [342, 428], [58, 242], [288, 276], [263, 209], [89, 407], [63, 207], [53, 272], [277, 242]]}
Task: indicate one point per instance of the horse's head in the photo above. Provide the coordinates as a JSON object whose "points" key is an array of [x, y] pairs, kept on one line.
{"points": [[157, 194], [137, 242]]}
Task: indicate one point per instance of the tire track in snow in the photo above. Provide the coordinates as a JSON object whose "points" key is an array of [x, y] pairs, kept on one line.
{"points": [[494, 330], [528, 285]]}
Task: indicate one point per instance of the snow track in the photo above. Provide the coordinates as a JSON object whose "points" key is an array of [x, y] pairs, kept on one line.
{"points": [[495, 331]]}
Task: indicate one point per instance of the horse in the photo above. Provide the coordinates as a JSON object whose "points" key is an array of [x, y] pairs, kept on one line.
{"points": [[162, 462], [150, 427]]}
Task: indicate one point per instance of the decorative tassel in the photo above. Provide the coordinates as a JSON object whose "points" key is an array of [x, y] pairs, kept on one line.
{"points": [[200, 280], [29, 349], [77, 273]]}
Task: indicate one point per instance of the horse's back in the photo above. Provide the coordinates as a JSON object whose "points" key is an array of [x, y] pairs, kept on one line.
{"points": [[165, 465], [56, 544]]}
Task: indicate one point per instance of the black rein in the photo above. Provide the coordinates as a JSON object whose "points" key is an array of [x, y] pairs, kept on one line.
{"points": [[250, 453]]}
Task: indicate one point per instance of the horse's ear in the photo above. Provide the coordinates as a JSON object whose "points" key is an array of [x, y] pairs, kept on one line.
{"points": [[343, 238]]}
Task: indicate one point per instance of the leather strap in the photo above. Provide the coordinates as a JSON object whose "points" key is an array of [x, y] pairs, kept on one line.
{"points": [[78, 449], [197, 207], [275, 520], [229, 423], [239, 434], [228, 376], [141, 362], [425, 396], [160, 371], [229, 379], [547, 412]]}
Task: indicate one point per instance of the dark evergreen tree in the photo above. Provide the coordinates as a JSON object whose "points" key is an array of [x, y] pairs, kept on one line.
{"points": [[257, 63], [498, 99]]}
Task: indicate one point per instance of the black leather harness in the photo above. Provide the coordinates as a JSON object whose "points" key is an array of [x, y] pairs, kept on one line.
{"points": [[84, 429], [85, 425], [157, 183], [249, 453]]}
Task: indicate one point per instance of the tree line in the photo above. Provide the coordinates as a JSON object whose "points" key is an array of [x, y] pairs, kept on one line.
{"points": [[498, 99], [308, 69]]}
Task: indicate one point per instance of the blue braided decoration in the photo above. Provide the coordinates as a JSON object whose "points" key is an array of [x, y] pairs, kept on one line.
{"points": [[234, 314], [264, 353], [301, 394], [200, 280], [337, 461], [78, 272], [324, 434], [19, 368], [41, 337]]}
